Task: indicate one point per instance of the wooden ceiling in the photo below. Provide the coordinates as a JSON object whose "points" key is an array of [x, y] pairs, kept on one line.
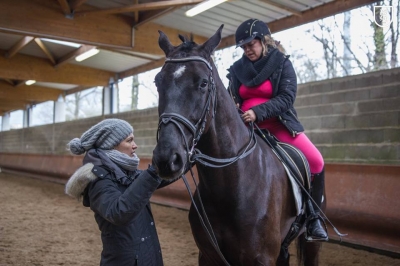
{"points": [[125, 32]]}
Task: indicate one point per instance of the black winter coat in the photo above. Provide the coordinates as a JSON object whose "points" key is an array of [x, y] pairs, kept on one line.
{"points": [[284, 89], [124, 217]]}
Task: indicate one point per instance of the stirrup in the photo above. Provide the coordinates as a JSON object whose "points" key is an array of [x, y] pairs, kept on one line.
{"points": [[310, 238]]}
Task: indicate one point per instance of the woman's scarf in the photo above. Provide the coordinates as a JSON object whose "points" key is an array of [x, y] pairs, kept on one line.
{"points": [[123, 160], [253, 74], [120, 164]]}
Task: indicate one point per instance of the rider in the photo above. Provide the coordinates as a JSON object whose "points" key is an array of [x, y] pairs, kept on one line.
{"points": [[263, 84]]}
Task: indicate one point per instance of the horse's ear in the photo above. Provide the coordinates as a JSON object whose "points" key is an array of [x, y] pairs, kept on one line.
{"points": [[164, 43], [182, 38], [212, 43]]}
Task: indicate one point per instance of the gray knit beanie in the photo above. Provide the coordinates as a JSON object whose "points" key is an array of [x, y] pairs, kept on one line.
{"points": [[105, 135]]}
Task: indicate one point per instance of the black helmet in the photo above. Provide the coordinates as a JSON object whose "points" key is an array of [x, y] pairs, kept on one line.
{"points": [[250, 29]]}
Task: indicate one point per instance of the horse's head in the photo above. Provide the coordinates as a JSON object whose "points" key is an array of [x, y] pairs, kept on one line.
{"points": [[187, 94]]}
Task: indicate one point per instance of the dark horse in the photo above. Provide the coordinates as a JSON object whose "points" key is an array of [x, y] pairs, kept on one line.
{"points": [[248, 202]]}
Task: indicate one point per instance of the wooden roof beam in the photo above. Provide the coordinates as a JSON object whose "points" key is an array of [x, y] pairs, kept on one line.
{"points": [[76, 89], [18, 46], [28, 93], [147, 16], [45, 50], [70, 56], [65, 7], [24, 67], [13, 105], [9, 81], [141, 7], [117, 33], [136, 13]]}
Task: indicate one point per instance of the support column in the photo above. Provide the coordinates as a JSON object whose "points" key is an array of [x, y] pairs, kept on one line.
{"points": [[5, 122], [110, 95], [27, 117], [59, 110]]}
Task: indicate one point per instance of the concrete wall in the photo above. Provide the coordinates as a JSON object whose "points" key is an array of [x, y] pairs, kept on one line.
{"points": [[354, 119], [53, 138]]}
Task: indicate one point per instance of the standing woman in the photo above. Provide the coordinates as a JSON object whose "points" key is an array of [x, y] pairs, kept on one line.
{"points": [[263, 84], [118, 193]]}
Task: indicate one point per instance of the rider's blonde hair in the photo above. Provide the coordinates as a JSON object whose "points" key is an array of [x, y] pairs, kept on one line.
{"points": [[270, 42]]}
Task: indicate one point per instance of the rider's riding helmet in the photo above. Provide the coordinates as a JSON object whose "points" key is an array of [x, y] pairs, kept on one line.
{"points": [[250, 29]]}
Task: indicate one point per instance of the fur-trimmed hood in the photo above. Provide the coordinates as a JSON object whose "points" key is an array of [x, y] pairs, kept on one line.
{"points": [[79, 180]]}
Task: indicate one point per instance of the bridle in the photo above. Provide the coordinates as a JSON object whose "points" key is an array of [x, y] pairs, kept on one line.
{"points": [[194, 155]]}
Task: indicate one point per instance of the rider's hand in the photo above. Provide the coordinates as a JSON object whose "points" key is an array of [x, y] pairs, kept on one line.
{"points": [[249, 116]]}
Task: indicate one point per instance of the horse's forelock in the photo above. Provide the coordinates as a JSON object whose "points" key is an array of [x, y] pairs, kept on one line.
{"points": [[185, 49]]}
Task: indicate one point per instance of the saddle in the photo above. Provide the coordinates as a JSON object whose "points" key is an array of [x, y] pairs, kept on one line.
{"points": [[293, 160]]}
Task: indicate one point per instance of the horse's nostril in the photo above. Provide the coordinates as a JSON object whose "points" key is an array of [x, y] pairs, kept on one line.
{"points": [[175, 162], [174, 158]]}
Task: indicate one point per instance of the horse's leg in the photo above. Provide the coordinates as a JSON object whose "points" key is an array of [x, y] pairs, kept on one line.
{"points": [[309, 251]]}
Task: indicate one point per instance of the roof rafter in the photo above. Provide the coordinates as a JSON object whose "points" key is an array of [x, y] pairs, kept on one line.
{"points": [[45, 50], [147, 16], [18, 46], [70, 56], [65, 7]]}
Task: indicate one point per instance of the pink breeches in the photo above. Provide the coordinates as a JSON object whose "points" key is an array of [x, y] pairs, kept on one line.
{"points": [[303, 143]]}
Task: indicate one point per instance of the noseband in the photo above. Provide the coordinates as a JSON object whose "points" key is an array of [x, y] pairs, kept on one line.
{"points": [[194, 155]]}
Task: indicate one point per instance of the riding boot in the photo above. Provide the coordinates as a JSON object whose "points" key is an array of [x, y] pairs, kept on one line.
{"points": [[316, 230]]}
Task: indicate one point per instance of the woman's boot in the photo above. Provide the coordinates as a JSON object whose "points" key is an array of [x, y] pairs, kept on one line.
{"points": [[316, 229]]}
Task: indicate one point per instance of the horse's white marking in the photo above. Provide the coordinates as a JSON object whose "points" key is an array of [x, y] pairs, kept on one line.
{"points": [[179, 71]]}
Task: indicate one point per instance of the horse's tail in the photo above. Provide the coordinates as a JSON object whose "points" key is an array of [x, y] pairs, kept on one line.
{"points": [[300, 243]]}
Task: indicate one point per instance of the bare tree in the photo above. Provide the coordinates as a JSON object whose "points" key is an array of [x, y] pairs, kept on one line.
{"points": [[394, 30], [81, 104], [347, 43], [328, 41], [135, 92], [379, 58]]}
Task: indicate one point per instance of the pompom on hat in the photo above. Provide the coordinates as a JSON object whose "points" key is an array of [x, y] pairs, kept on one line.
{"points": [[105, 135]]}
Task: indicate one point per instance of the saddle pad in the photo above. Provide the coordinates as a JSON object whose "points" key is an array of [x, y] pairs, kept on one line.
{"points": [[298, 198], [297, 169]]}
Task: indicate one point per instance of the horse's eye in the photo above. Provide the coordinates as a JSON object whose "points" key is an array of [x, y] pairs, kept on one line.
{"points": [[204, 83]]}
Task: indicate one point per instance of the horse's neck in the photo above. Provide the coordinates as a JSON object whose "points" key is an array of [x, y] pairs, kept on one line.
{"points": [[227, 134]]}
